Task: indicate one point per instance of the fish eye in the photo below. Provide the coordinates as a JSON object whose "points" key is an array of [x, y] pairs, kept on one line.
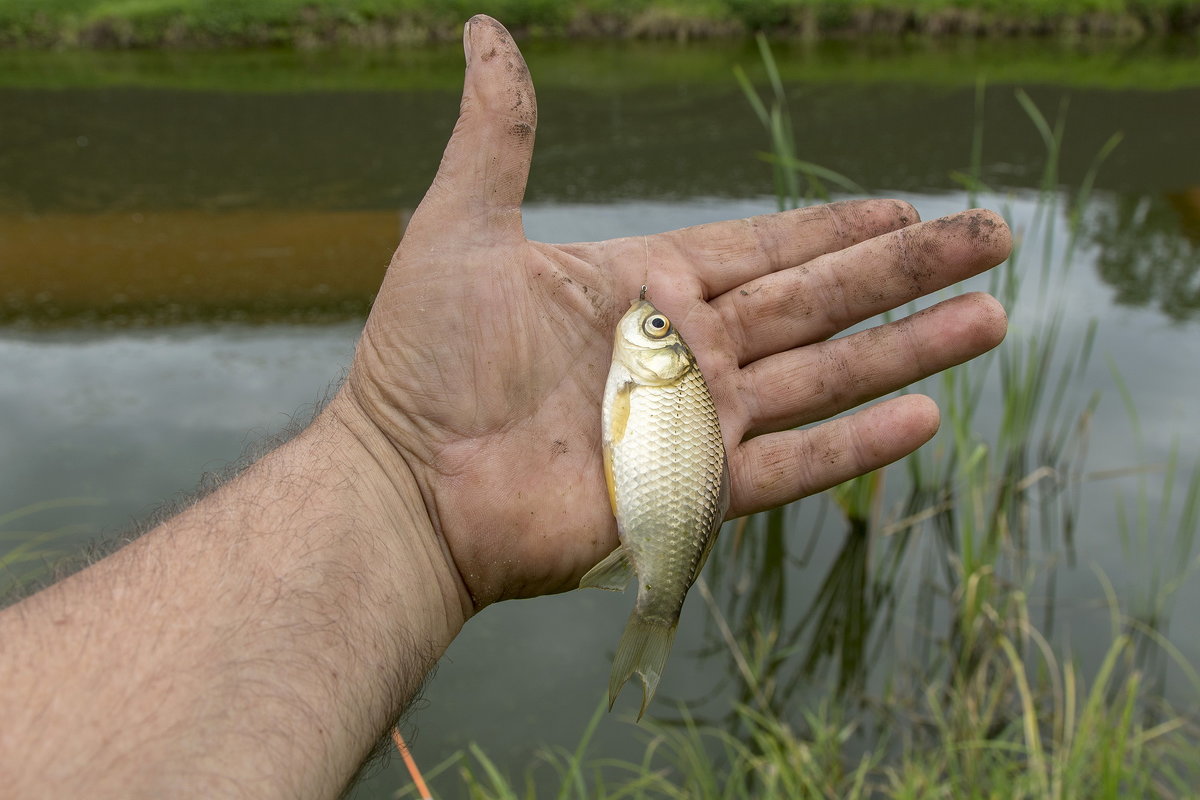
{"points": [[657, 326]]}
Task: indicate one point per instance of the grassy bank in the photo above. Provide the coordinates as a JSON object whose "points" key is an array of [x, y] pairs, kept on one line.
{"points": [[599, 66], [382, 23]]}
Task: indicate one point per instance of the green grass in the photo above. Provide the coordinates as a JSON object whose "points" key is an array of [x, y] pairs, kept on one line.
{"points": [[610, 66], [278, 22], [1026, 725], [158, 23]]}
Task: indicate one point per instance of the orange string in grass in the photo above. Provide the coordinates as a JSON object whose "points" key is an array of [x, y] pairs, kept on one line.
{"points": [[422, 789]]}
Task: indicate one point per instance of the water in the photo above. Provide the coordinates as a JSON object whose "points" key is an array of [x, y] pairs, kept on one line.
{"points": [[188, 245]]}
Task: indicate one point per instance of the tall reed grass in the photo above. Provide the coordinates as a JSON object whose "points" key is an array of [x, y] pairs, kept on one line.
{"points": [[994, 734]]}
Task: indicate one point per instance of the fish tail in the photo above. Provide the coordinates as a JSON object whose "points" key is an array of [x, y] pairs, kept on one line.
{"points": [[643, 649]]}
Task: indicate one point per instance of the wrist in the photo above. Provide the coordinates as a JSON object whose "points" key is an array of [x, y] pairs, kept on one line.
{"points": [[391, 504]]}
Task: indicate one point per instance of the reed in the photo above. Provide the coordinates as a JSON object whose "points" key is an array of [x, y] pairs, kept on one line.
{"points": [[992, 735], [774, 115], [983, 515]]}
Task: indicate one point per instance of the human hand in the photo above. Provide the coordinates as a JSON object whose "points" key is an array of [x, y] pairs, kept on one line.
{"points": [[484, 358]]}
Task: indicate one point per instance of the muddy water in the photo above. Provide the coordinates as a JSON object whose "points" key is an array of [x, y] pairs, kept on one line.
{"points": [[186, 255]]}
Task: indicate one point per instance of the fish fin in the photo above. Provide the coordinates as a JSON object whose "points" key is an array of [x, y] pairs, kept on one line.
{"points": [[609, 480], [619, 414], [643, 649], [618, 421], [614, 572]]}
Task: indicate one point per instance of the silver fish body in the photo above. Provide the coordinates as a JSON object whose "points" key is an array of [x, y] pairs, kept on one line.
{"points": [[668, 480]]}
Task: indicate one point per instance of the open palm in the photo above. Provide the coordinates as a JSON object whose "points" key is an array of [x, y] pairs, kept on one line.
{"points": [[485, 355]]}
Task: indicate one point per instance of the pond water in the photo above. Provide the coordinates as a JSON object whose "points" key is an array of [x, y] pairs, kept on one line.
{"points": [[188, 245]]}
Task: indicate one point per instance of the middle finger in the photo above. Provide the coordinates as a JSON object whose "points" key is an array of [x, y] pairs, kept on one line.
{"points": [[813, 301]]}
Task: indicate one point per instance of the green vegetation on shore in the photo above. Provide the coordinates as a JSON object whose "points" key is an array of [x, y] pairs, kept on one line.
{"points": [[381, 23], [610, 65], [1001, 732]]}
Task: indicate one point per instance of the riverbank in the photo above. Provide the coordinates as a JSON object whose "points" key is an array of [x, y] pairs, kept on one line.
{"points": [[385, 23]]}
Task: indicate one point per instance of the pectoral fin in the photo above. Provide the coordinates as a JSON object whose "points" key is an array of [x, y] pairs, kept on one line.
{"points": [[617, 422], [613, 573], [619, 418], [609, 480]]}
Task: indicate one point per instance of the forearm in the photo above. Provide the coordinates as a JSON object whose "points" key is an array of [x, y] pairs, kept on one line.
{"points": [[255, 645]]}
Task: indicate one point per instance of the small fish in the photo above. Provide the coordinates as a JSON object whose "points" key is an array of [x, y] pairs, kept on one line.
{"points": [[668, 482]]}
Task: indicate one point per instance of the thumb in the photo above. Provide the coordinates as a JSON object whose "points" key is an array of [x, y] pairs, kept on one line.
{"points": [[481, 180]]}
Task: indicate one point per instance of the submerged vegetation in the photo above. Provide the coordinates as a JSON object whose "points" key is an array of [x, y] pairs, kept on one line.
{"points": [[306, 23], [33, 542]]}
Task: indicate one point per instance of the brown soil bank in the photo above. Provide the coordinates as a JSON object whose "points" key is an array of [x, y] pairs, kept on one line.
{"points": [[315, 23], [170, 267]]}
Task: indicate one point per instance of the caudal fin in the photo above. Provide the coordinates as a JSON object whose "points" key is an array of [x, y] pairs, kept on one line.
{"points": [[643, 649]]}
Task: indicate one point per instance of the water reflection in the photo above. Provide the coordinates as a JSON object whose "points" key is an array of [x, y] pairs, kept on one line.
{"points": [[155, 268], [1149, 249], [806, 594], [189, 198]]}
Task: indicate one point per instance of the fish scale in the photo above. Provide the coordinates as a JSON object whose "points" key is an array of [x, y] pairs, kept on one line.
{"points": [[668, 482], [667, 473]]}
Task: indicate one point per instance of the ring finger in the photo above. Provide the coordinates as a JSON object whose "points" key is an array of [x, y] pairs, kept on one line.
{"points": [[816, 382]]}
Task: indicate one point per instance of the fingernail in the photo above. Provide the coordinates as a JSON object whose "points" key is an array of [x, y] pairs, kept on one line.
{"points": [[467, 40]]}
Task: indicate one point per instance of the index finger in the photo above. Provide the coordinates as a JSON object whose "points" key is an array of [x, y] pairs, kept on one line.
{"points": [[728, 254]]}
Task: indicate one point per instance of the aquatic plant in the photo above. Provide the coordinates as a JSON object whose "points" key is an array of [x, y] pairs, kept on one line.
{"points": [[975, 520], [990, 735], [28, 553]]}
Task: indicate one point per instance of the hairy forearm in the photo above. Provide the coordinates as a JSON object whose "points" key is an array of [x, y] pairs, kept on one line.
{"points": [[256, 645]]}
